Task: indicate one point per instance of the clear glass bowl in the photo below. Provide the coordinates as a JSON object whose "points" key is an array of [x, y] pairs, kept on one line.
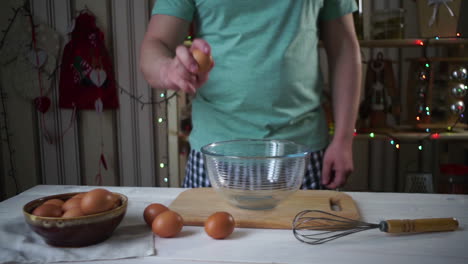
{"points": [[255, 174]]}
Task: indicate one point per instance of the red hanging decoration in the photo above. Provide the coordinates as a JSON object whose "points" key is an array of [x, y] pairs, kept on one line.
{"points": [[86, 70]]}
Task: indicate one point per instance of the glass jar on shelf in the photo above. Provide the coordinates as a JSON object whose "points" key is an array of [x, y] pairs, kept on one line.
{"points": [[388, 24]]}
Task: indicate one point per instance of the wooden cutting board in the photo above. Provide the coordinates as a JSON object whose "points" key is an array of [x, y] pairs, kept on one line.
{"points": [[196, 205]]}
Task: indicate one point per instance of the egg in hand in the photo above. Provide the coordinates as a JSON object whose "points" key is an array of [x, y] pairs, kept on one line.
{"points": [[205, 61]]}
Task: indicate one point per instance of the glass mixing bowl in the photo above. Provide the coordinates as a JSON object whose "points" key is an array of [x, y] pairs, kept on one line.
{"points": [[255, 174]]}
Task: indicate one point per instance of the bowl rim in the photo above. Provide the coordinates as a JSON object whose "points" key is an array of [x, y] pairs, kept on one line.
{"points": [[123, 197], [204, 149]]}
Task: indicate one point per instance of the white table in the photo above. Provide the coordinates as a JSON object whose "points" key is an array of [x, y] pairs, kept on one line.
{"points": [[280, 246]]}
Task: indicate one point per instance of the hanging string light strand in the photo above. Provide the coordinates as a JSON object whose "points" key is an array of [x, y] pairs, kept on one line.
{"points": [[143, 103], [396, 142], [10, 24]]}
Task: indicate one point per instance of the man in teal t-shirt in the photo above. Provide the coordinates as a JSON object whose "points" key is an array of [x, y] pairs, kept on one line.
{"points": [[266, 82]]}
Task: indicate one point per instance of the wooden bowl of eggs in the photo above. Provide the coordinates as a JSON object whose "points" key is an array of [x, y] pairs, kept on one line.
{"points": [[76, 219]]}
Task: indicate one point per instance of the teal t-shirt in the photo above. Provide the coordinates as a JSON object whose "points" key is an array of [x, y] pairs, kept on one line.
{"points": [[266, 83]]}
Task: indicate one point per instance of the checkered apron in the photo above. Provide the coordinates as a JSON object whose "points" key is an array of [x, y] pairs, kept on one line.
{"points": [[196, 177]]}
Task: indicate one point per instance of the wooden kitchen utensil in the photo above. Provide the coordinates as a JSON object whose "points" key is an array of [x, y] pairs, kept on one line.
{"points": [[196, 205], [318, 227]]}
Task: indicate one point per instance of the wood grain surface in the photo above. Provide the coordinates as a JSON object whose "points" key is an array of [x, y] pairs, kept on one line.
{"points": [[196, 205]]}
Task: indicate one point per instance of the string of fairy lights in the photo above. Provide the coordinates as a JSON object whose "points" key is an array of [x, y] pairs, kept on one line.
{"points": [[458, 79]]}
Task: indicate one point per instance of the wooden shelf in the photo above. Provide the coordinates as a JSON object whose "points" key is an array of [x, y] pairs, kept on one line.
{"points": [[410, 136], [398, 43]]}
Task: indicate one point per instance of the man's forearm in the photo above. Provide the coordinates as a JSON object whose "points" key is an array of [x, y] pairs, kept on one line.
{"points": [[345, 86], [154, 54]]}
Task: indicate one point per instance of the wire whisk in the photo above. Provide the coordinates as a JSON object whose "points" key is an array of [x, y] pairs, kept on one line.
{"points": [[318, 227]]}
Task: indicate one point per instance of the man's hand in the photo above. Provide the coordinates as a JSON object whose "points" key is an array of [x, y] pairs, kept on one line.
{"points": [[337, 164], [181, 72], [165, 62]]}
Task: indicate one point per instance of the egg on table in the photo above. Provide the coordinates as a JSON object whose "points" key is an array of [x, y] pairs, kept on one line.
{"points": [[153, 210], [220, 225], [167, 224]]}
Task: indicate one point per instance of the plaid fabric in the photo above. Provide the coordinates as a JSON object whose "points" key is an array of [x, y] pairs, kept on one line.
{"points": [[196, 177]]}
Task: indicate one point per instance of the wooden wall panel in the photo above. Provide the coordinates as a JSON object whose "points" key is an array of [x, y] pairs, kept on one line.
{"points": [[359, 179], [59, 157], [135, 122], [19, 114], [91, 123]]}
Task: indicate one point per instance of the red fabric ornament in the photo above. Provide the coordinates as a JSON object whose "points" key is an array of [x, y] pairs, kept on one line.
{"points": [[86, 71], [42, 104]]}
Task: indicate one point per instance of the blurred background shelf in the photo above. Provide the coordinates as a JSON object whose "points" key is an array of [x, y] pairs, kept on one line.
{"points": [[412, 42]]}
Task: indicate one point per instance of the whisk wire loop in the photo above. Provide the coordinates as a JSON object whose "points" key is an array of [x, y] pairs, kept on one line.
{"points": [[318, 227]]}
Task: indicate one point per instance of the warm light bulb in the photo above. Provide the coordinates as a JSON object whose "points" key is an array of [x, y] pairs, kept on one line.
{"points": [[397, 146]]}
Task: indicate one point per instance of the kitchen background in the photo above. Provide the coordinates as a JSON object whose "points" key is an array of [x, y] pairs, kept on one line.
{"points": [[143, 141]]}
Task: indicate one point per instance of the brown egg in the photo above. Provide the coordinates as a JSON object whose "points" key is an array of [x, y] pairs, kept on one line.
{"points": [[167, 224], [57, 202], [153, 210], [80, 195], [73, 212], [70, 203], [96, 201], [220, 225], [204, 60], [116, 201], [48, 210]]}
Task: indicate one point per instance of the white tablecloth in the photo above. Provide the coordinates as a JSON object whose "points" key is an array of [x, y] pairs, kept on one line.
{"points": [[280, 246]]}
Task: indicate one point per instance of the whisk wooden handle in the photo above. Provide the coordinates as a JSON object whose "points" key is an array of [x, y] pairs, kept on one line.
{"points": [[419, 225]]}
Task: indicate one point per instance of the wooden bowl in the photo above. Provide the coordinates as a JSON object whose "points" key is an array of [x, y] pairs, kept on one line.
{"points": [[76, 231]]}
